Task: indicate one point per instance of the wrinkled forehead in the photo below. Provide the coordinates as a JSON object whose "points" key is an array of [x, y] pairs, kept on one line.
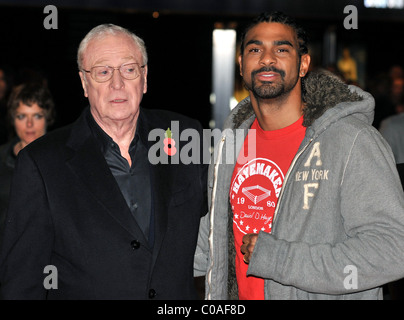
{"points": [[110, 49]]}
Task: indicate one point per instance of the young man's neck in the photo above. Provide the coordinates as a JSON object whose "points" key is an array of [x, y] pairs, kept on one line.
{"points": [[278, 113]]}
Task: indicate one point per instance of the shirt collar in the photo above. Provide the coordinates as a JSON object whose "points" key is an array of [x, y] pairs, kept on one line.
{"points": [[105, 141]]}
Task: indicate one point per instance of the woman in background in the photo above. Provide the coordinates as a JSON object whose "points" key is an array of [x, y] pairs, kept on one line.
{"points": [[30, 111]]}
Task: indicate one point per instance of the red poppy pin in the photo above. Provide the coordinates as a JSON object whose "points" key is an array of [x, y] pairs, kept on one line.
{"points": [[169, 144]]}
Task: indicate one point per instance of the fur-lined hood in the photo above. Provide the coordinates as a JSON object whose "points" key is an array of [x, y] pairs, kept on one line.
{"points": [[322, 92]]}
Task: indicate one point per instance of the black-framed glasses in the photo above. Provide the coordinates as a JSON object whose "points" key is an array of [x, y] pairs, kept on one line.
{"points": [[129, 71]]}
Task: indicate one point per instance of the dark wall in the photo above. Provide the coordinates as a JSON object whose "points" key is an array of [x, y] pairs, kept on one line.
{"points": [[179, 50], [179, 47]]}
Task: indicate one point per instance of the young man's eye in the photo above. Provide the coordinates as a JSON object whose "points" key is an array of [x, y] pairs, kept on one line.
{"points": [[254, 50]]}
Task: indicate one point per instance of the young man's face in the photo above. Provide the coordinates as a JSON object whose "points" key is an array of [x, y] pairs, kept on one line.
{"points": [[270, 63]]}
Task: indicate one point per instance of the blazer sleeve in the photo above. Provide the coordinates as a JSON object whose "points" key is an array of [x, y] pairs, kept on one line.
{"points": [[28, 235]]}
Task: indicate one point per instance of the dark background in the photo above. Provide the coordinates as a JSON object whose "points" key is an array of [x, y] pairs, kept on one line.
{"points": [[179, 42]]}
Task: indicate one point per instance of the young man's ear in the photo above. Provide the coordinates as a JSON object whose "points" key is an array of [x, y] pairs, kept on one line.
{"points": [[304, 65], [240, 63]]}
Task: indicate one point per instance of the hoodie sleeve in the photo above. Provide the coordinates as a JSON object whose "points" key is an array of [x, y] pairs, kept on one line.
{"points": [[372, 210], [202, 249]]}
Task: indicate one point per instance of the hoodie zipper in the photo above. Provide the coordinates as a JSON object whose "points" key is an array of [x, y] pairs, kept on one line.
{"points": [[212, 209], [212, 213], [297, 156]]}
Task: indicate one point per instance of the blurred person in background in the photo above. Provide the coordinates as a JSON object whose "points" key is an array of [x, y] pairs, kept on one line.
{"points": [[347, 66], [392, 129], [388, 90], [30, 110], [5, 88]]}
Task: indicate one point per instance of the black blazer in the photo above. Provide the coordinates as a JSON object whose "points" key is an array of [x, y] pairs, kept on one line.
{"points": [[7, 162], [66, 210]]}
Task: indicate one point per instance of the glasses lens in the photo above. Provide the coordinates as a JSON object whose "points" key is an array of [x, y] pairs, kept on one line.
{"points": [[129, 71], [101, 74]]}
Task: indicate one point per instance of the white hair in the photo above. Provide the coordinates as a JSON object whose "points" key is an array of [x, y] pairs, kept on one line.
{"points": [[105, 30]]}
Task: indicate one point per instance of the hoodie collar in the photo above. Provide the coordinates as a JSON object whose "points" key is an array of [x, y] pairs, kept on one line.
{"points": [[326, 98]]}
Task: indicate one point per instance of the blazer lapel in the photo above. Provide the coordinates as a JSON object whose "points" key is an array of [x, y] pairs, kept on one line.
{"points": [[162, 178], [88, 163]]}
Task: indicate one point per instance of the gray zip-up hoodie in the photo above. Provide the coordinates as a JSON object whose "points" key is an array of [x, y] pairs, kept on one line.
{"points": [[338, 228]]}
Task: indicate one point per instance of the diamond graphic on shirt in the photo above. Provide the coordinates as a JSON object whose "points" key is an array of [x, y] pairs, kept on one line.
{"points": [[256, 198]]}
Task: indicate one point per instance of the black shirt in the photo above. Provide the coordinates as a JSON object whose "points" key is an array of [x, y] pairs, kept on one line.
{"points": [[134, 181]]}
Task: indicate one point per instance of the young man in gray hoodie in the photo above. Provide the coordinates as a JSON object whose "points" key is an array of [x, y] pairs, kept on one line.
{"points": [[309, 205]]}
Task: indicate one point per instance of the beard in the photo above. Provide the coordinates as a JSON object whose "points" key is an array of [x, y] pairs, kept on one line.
{"points": [[269, 89]]}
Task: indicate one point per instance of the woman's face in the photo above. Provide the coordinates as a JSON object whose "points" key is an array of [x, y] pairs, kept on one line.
{"points": [[29, 123]]}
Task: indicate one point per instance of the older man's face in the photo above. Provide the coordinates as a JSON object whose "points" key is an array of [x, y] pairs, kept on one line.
{"points": [[118, 99]]}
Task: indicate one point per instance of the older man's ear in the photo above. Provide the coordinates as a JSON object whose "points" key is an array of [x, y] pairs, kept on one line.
{"points": [[145, 79], [83, 83]]}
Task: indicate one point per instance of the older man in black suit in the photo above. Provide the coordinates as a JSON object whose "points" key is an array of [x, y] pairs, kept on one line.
{"points": [[88, 209]]}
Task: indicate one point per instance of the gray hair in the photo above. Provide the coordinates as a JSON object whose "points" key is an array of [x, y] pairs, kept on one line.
{"points": [[105, 30]]}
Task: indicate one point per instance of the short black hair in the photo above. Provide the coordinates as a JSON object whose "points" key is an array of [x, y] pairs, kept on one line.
{"points": [[29, 94], [282, 18]]}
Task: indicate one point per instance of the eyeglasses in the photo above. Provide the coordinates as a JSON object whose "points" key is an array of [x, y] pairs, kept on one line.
{"points": [[129, 71]]}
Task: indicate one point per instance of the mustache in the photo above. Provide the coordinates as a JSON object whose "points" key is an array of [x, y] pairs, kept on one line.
{"points": [[268, 69]]}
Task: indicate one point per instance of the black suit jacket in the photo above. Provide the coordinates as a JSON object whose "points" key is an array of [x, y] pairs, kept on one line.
{"points": [[67, 211]]}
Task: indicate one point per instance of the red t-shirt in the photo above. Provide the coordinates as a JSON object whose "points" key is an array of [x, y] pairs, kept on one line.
{"points": [[254, 192]]}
